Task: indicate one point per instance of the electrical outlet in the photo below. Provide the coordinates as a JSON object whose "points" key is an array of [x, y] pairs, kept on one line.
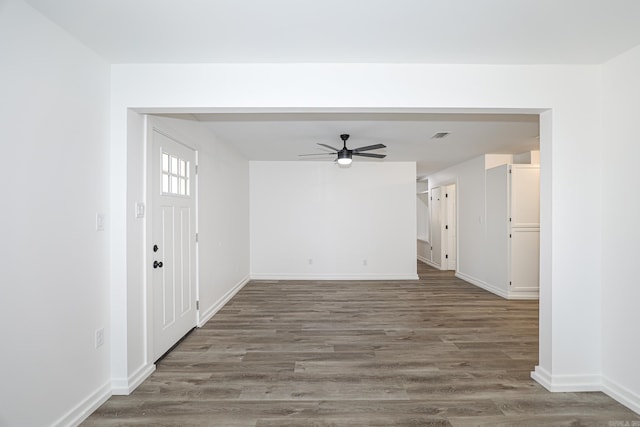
{"points": [[99, 337]]}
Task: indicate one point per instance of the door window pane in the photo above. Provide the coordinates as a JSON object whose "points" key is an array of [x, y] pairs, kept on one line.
{"points": [[165, 162], [165, 183], [174, 165], [175, 176]]}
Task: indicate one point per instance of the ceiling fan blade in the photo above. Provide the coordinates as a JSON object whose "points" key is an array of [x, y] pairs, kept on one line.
{"points": [[317, 154], [369, 147], [377, 156], [328, 146]]}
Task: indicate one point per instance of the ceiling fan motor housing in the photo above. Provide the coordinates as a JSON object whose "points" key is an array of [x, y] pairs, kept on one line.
{"points": [[344, 154]]}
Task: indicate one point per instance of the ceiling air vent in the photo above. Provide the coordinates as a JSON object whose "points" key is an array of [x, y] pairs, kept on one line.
{"points": [[440, 135]]}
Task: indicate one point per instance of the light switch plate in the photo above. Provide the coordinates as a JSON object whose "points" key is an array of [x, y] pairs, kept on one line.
{"points": [[99, 222], [99, 339], [139, 210]]}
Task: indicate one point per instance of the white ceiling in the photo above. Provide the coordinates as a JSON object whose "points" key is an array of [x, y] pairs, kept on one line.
{"points": [[412, 31], [385, 31], [408, 136]]}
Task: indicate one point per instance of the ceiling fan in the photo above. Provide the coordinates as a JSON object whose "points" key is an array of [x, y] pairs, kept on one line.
{"points": [[345, 155]]}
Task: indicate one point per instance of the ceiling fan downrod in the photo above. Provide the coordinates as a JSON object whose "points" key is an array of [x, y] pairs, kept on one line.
{"points": [[344, 138]]}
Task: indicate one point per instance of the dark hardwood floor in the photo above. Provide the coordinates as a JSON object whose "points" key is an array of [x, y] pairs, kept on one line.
{"points": [[432, 352]]}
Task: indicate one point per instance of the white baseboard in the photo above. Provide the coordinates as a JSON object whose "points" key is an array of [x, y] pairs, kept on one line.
{"points": [[82, 410], [534, 294], [566, 383], [431, 264], [423, 259], [356, 276], [622, 394], [525, 294], [484, 285], [542, 377], [578, 383], [124, 387], [209, 312]]}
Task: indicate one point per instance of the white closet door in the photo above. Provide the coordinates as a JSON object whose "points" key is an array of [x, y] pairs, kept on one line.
{"points": [[450, 226], [436, 227], [525, 196], [525, 259]]}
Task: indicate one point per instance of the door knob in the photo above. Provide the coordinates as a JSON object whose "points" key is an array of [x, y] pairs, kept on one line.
{"points": [[157, 264]]}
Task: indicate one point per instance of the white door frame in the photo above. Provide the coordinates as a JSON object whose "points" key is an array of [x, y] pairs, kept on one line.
{"points": [[149, 128]]}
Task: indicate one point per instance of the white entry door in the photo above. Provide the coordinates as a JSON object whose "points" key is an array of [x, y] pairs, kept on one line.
{"points": [[173, 252]]}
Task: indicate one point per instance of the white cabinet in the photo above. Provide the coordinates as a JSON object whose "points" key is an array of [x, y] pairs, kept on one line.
{"points": [[513, 230]]}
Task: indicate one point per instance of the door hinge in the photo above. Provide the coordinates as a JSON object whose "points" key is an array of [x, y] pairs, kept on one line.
{"points": [[431, 247], [446, 194], [509, 283], [446, 256], [509, 235], [196, 237], [446, 227], [509, 219], [197, 305]]}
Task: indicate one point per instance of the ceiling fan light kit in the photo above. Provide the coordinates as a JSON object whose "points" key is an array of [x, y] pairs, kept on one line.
{"points": [[344, 158], [345, 155]]}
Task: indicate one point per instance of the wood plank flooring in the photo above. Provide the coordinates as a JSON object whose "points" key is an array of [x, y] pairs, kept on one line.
{"points": [[431, 352]]}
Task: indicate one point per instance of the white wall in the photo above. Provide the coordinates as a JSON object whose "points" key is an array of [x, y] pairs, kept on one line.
{"points": [[54, 265], [478, 258], [474, 263], [469, 177], [223, 212], [423, 251], [336, 218], [621, 228]]}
